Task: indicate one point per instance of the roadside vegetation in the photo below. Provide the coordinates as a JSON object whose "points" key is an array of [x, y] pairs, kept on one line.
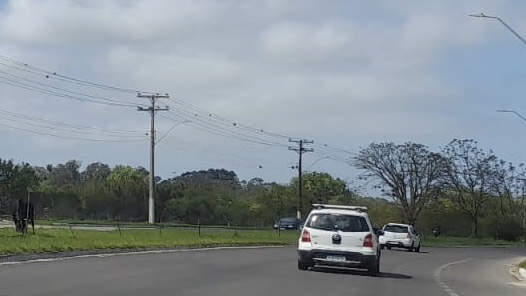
{"points": [[522, 264], [466, 191], [463, 242], [62, 240]]}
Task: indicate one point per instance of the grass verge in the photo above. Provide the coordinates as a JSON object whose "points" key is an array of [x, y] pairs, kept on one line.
{"points": [[522, 264], [63, 240], [132, 224], [445, 241]]}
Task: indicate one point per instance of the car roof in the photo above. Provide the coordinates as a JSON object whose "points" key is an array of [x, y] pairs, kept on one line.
{"points": [[340, 212], [397, 224]]}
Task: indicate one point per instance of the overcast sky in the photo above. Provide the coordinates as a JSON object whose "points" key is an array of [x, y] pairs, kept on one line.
{"points": [[343, 73]]}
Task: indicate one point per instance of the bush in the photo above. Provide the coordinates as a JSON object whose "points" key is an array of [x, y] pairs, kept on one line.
{"points": [[509, 229]]}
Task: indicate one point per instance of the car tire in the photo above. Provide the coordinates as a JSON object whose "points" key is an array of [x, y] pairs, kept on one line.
{"points": [[374, 270], [388, 247], [302, 265], [411, 248], [417, 249], [382, 247]]}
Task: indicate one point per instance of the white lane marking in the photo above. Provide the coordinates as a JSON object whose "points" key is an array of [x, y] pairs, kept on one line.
{"points": [[104, 255], [440, 282]]}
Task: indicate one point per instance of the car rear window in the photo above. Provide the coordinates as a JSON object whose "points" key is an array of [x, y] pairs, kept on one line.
{"points": [[288, 220], [332, 222], [396, 229]]}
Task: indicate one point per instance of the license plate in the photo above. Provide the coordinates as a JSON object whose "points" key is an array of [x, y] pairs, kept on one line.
{"points": [[336, 258]]}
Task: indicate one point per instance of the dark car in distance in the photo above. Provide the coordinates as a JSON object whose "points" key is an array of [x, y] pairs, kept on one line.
{"points": [[288, 223]]}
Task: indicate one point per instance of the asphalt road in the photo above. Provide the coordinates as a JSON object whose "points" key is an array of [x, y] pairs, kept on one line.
{"points": [[265, 272]]}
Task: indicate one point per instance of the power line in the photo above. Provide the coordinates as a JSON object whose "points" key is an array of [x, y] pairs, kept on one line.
{"points": [[67, 137], [335, 149], [38, 122], [226, 121], [57, 94], [213, 124], [198, 118], [21, 66], [202, 151], [206, 126], [58, 88]]}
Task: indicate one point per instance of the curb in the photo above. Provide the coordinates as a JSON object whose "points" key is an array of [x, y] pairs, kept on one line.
{"points": [[518, 273]]}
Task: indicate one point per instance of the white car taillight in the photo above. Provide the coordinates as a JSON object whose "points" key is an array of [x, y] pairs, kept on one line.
{"points": [[368, 241], [305, 236]]}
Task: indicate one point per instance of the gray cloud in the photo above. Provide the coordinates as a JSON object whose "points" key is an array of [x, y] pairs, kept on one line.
{"points": [[352, 68]]}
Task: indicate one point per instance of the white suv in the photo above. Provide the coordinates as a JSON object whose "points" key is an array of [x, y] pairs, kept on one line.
{"points": [[339, 236], [400, 236]]}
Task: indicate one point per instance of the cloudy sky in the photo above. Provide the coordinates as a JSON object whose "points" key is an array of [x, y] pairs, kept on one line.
{"points": [[245, 75]]}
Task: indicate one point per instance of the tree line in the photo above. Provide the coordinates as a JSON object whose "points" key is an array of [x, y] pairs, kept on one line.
{"points": [[462, 189], [462, 182]]}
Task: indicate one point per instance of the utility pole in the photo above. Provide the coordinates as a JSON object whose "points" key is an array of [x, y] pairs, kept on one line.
{"points": [[152, 110], [301, 149]]}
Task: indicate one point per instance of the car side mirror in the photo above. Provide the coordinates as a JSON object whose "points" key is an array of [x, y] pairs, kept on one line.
{"points": [[379, 232]]}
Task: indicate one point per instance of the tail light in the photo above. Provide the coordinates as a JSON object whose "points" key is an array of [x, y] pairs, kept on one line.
{"points": [[305, 236], [368, 241]]}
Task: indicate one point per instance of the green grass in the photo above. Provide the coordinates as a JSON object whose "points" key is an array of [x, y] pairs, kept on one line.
{"points": [[86, 222], [444, 241], [131, 224], [522, 264], [62, 240]]}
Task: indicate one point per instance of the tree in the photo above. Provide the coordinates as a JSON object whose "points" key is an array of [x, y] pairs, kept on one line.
{"points": [[96, 171], [129, 187], [322, 188], [15, 182], [469, 174], [410, 172], [210, 178], [65, 175]]}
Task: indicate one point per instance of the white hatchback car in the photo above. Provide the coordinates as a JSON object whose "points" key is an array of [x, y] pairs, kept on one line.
{"points": [[400, 236], [339, 236]]}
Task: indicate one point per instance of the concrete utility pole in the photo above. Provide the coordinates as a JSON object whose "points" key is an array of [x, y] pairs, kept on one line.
{"points": [[300, 151], [152, 110]]}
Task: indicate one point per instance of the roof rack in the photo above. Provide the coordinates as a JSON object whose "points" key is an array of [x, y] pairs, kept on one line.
{"points": [[353, 208]]}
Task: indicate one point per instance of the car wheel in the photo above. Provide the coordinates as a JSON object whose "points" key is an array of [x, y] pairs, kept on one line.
{"points": [[374, 270], [411, 248], [417, 249], [302, 265], [388, 247], [382, 247]]}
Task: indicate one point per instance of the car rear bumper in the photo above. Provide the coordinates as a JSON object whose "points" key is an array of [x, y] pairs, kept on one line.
{"points": [[290, 227], [352, 259], [397, 243]]}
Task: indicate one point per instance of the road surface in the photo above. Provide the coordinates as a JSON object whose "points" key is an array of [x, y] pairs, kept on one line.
{"points": [[266, 272]]}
